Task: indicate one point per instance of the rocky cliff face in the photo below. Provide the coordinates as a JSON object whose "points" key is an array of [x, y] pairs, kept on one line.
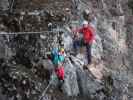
{"points": [[25, 71]]}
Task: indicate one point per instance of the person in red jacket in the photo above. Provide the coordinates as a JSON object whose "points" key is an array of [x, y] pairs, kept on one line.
{"points": [[88, 37]]}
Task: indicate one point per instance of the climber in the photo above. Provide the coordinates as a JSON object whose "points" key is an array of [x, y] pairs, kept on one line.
{"points": [[76, 42], [90, 17], [57, 57], [86, 14], [88, 37], [49, 26]]}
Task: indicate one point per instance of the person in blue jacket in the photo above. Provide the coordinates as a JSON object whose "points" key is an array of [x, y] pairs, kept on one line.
{"points": [[57, 57]]}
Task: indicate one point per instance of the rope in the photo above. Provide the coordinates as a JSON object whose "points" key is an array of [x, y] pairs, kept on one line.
{"points": [[11, 33], [44, 92], [11, 6], [53, 78]]}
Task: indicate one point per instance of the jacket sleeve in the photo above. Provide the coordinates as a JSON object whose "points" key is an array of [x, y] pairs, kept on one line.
{"points": [[92, 31], [77, 30]]}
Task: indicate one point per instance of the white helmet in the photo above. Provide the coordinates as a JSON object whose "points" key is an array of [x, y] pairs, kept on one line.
{"points": [[87, 11], [85, 22]]}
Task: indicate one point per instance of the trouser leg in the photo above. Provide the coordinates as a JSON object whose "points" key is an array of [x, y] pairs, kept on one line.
{"points": [[76, 45], [88, 47]]}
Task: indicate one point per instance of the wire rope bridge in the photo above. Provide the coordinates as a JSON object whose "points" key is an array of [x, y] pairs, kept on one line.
{"points": [[18, 33]]}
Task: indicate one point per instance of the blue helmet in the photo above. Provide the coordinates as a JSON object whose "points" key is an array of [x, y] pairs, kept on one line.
{"points": [[55, 51]]}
